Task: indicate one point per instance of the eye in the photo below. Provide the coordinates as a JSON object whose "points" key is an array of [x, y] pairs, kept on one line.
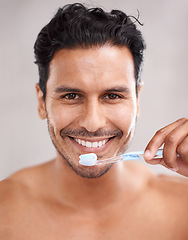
{"points": [[112, 96], [71, 96]]}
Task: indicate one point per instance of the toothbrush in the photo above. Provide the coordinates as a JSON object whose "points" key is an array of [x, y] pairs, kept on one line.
{"points": [[90, 159]]}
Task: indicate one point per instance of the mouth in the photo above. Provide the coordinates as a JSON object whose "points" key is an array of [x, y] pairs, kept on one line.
{"points": [[94, 145]]}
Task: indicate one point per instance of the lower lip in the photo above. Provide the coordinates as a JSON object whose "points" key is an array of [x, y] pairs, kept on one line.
{"points": [[84, 149]]}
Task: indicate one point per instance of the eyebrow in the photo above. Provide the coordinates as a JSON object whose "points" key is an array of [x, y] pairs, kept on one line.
{"points": [[121, 89], [62, 89]]}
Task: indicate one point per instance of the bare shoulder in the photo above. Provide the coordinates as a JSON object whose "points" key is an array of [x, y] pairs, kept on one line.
{"points": [[172, 190], [22, 180], [12, 194], [172, 184], [168, 198], [12, 189], [18, 191]]}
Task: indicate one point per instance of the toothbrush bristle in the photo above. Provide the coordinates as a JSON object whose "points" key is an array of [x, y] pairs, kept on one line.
{"points": [[89, 159]]}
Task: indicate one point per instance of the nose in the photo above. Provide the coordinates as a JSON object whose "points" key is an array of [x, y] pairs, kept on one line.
{"points": [[93, 117]]}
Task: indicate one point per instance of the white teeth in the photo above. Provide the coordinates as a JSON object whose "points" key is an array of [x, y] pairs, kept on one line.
{"points": [[91, 144], [88, 144], [94, 144], [100, 143]]}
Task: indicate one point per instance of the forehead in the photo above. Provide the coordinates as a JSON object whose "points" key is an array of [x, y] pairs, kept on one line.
{"points": [[97, 65]]}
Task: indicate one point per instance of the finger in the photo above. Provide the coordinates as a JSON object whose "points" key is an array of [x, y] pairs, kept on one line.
{"points": [[182, 162], [161, 162], [166, 166], [158, 139], [172, 141], [182, 167], [155, 161], [182, 150]]}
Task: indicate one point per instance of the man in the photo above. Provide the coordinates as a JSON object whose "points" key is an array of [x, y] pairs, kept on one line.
{"points": [[89, 66]]}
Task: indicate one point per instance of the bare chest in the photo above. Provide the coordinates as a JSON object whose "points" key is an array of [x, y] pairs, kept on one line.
{"points": [[130, 223]]}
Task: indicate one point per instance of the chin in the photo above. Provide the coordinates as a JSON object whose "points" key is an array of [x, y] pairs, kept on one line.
{"points": [[90, 172]]}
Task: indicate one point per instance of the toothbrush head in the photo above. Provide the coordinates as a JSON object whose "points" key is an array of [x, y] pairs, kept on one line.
{"points": [[89, 159]]}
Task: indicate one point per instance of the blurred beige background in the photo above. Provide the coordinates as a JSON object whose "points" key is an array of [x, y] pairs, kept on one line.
{"points": [[24, 139]]}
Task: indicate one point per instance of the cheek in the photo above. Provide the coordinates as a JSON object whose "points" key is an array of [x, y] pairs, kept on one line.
{"points": [[123, 117], [61, 117]]}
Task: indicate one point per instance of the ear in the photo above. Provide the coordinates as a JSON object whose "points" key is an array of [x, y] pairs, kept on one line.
{"points": [[138, 100], [41, 103]]}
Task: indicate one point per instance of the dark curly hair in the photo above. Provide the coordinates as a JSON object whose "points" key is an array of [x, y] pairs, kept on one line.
{"points": [[75, 26]]}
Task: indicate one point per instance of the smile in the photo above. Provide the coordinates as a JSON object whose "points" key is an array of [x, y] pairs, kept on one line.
{"points": [[91, 144]]}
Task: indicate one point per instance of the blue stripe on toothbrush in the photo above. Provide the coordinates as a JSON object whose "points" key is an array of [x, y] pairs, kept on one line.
{"points": [[130, 156], [136, 155]]}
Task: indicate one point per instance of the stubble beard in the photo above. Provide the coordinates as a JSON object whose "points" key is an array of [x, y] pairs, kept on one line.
{"points": [[94, 171]]}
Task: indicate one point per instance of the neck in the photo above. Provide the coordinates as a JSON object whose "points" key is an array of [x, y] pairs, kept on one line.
{"points": [[96, 193]]}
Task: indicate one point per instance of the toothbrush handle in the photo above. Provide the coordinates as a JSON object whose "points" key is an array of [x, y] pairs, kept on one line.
{"points": [[139, 154], [111, 160], [129, 156], [159, 154]]}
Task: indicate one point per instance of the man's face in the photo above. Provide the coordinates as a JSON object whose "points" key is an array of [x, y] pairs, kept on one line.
{"points": [[91, 104]]}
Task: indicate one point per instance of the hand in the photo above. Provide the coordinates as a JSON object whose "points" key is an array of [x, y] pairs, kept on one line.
{"points": [[175, 154]]}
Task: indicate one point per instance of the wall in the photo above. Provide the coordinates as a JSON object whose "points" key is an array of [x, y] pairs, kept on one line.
{"points": [[24, 139]]}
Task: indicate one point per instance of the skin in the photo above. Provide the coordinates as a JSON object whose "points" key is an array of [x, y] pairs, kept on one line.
{"points": [[88, 99]]}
